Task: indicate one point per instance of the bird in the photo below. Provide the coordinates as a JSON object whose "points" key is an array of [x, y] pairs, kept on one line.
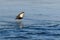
{"points": [[20, 16]]}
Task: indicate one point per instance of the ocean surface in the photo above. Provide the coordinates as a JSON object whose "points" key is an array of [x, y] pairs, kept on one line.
{"points": [[41, 20]]}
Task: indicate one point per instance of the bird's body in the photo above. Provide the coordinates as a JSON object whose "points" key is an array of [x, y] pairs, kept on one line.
{"points": [[20, 16]]}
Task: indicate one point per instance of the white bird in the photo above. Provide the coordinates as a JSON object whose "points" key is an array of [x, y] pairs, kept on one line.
{"points": [[18, 19], [20, 15]]}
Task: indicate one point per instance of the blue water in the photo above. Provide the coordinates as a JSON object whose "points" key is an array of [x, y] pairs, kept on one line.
{"points": [[41, 20]]}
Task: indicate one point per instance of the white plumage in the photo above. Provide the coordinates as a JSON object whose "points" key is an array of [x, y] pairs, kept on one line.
{"points": [[21, 15]]}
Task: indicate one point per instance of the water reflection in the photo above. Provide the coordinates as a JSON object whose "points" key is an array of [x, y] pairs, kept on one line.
{"points": [[19, 23]]}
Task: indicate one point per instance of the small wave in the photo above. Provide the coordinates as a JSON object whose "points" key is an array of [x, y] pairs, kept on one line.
{"points": [[53, 35], [23, 37], [37, 33], [54, 25]]}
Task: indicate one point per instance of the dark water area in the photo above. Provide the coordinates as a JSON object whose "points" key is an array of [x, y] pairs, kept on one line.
{"points": [[41, 20]]}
